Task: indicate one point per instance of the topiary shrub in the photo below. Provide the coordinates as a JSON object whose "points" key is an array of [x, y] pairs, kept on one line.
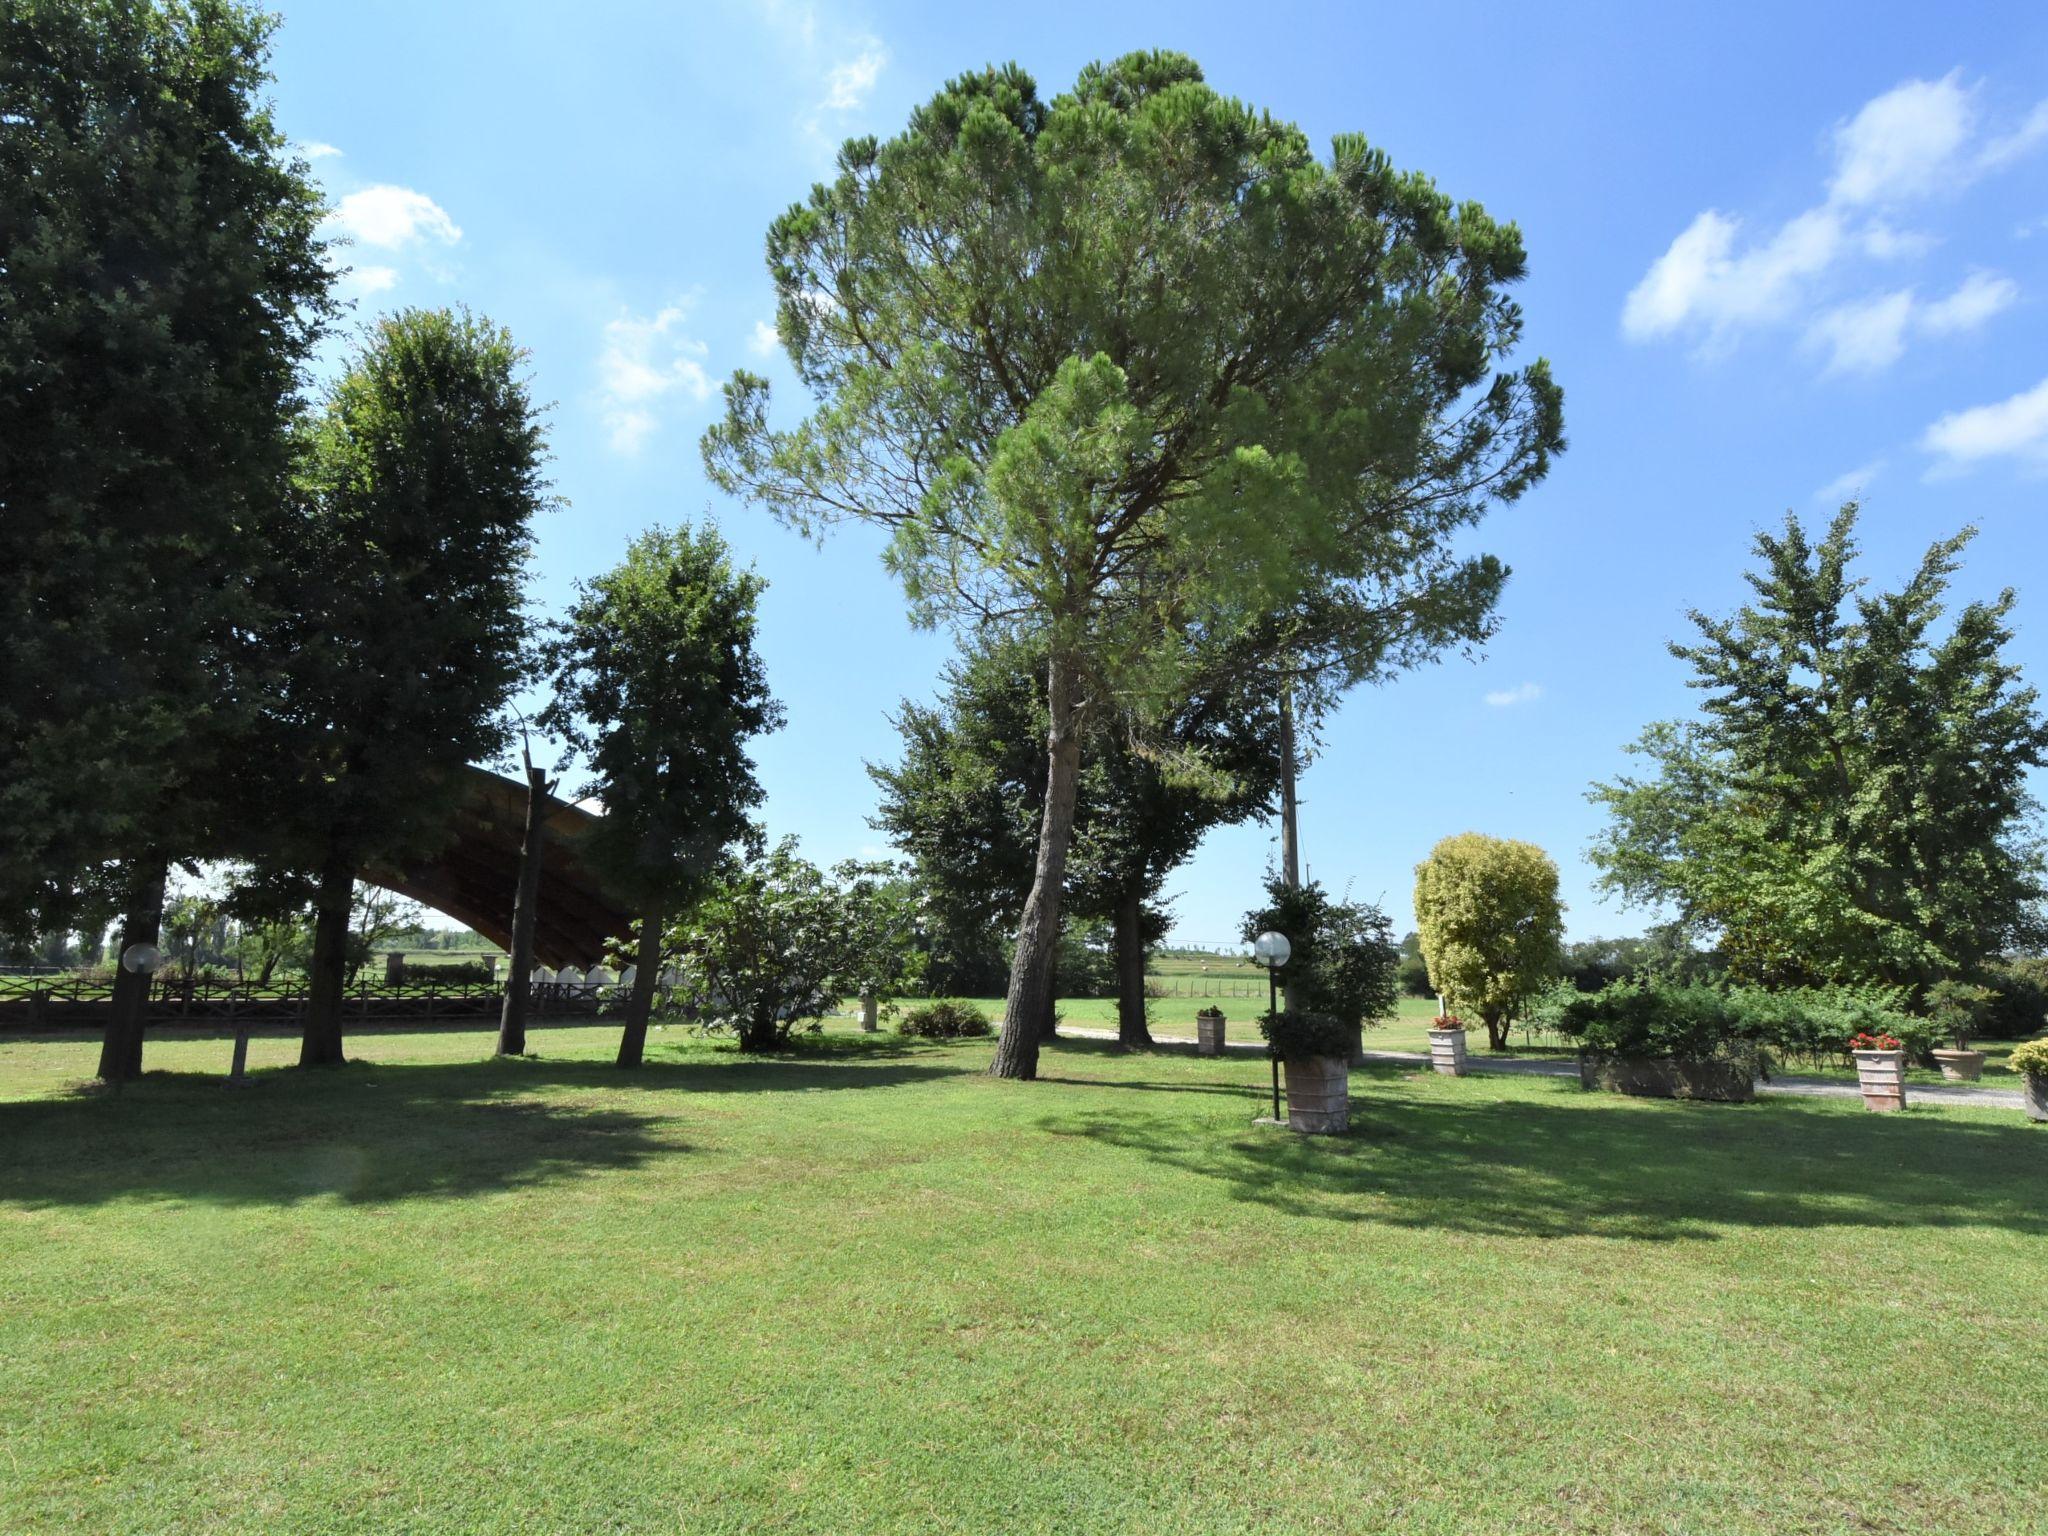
{"points": [[1296, 1033], [944, 1020]]}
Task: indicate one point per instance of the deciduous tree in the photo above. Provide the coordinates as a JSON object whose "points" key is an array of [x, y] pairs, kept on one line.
{"points": [[658, 686], [402, 625], [1491, 925], [1853, 804], [161, 287]]}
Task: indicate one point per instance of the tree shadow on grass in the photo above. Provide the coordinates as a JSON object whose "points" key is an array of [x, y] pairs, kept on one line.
{"points": [[373, 1134], [1555, 1161]]}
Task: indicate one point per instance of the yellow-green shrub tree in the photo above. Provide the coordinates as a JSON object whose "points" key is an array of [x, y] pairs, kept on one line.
{"points": [[1492, 925]]}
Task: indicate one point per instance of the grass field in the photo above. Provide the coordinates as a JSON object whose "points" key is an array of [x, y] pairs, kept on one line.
{"points": [[866, 1288]]}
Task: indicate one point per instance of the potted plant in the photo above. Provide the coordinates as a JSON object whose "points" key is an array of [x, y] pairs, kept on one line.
{"points": [[1955, 1009], [2030, 1060], [1209, 1031], [1315, 1051], [1880, 1070], [1447, 1044]]}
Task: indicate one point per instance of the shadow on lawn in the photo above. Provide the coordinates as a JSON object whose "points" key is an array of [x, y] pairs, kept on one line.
{"points": [[371, 1134], [1564, 1163]]}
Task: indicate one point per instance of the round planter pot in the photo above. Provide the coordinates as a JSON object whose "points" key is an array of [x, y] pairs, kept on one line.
{"points": [[1447, 1051], [2034, 1095], [1960, 1066], [1209, 1034], [1882, 1077], [1318, 1095]]}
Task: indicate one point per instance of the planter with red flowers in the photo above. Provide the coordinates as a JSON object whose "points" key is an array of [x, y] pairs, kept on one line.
{"points": [[1209, 1025], [1880, 1070], [1447, 1044]]}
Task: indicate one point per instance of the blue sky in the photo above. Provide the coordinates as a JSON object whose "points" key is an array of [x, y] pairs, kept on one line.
{"points": [[1777, 254]]}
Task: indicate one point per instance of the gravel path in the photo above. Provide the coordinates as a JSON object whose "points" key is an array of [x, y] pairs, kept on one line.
{"points": [[1537, 1066]]}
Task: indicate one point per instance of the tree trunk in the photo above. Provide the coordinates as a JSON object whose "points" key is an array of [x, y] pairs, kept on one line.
{"points": [[525, 900], [1132, 1027], [870, 1008], [1290, 811], [327, 973], [1028, 1008], [121, 1049], [646, 971], [1496, 1030]]}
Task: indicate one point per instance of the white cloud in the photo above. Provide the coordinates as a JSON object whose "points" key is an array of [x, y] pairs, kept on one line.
{"points": [[1721, 278], [1864, 337], [848, 82], [2015, 428], [1982, 295], [1904, 144], [2005, 149], [1849, 485], [1702, 282], [645, 359], [313, 149], [764, 341], [392, 218], [1521, 693], [361, 282]]}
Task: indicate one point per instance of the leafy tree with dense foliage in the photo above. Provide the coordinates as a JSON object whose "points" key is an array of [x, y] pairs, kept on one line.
{"points": [[1853, 804], [1131, 367], [403, 631], [966, 799], [658, 685], [1492, 925], [161, 288], [1342, 959], [886, 955], [764, 949]]}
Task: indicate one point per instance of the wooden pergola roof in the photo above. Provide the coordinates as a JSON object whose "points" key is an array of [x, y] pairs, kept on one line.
{"points": [[475, 878]]}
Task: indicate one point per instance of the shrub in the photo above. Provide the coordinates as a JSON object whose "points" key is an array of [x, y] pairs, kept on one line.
{"points": [[2030, 1059], [945, 1020], [1295, 1033], [463, 973], [1647, 1018], [1956, 1010], [2021, 1004]]}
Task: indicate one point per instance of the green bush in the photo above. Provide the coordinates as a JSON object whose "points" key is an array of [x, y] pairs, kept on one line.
{"points": [[1648, 1018], [945, 1020], [1957, 1011], [1297, 1032], [2030, 1059], [2021, 1006]]}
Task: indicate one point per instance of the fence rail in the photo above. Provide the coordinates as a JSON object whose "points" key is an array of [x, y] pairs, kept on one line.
{"points": [[75, 1000]]}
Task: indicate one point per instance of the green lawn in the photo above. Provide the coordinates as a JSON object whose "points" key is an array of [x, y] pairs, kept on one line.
{"points": [[866, 1288]]}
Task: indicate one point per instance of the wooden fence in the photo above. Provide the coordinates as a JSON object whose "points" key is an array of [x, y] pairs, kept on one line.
{"points": [[75, 1001]]}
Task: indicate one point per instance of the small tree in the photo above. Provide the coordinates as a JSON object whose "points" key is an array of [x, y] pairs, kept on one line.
{"points": [[1342, 958], [658, 685], [1492, 925], [765, 949]]}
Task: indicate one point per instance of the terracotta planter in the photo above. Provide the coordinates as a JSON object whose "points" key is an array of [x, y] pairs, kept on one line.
{"points": [[1667, 1077], [1318, 1095], [1209, 1025], [2034, 1095], [1960, 1066], [1447, 1051], [1882, 1077]]}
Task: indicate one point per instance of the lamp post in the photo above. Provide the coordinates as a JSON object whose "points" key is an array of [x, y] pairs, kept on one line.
{"points": [[1271, 950]]}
